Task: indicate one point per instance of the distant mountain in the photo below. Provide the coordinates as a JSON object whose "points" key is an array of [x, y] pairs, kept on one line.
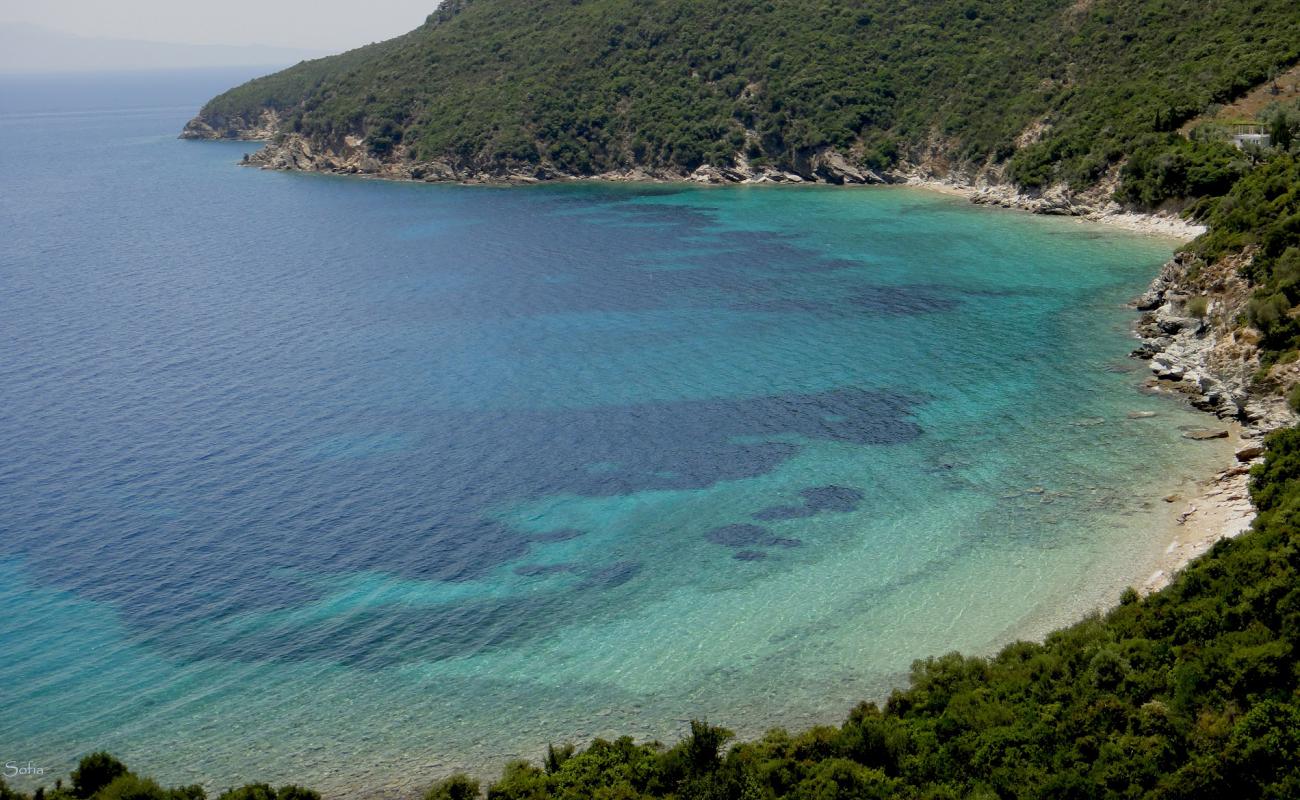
{"points": [[28, 48]]}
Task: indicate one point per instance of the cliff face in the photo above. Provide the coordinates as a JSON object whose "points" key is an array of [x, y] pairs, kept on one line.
{"points": [[260, 126], [351, 156], [1192, 334]]}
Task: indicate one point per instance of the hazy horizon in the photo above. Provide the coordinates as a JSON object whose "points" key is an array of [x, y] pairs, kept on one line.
{"points": [[312, 28], [34, 49]]}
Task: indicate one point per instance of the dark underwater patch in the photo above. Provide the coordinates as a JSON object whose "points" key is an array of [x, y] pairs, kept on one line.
{"points": [[749, 555], [904, 300], [614, 575], [560, 535], [883, 300], [777, 513], [535, 570], [818, 499], [839, 499], [746, 535]]}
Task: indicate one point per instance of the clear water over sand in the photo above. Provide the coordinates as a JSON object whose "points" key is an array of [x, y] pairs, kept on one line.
{"points": [[354, 483]]}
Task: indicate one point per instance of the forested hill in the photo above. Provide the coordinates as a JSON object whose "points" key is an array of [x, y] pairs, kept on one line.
{"points": [[1050, 90]]}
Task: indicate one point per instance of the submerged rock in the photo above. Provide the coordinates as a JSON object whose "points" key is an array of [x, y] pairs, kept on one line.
{"points": [[775, 513], [833, 498], [1205, 434], [817, 499], [561, 535], [614, 575], [748, 536], [535, 570]]}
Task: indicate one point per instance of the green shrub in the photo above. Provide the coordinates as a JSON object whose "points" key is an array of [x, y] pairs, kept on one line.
{"points": [[842, 779], [263, 791], [1198, 306], [132, 787], [456, 787], [94, 772], [1175, 167]]}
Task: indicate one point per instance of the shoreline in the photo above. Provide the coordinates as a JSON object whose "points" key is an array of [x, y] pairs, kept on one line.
{"points": [[1215, 508], [1159, 223], [348, 158], [297, 155], [1212, 508], [1218, 505]]}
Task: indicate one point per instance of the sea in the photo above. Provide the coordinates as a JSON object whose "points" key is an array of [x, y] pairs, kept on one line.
{"points": [[354, 483]]}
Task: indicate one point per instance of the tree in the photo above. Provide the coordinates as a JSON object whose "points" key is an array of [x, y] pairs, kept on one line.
{"points": [[1281, 129], [95, 771]]}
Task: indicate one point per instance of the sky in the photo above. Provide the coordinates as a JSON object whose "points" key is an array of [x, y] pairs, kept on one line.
{"points": [[332, 25]]}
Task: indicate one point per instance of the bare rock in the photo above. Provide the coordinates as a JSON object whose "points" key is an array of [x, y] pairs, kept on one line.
{"points": [[1250, 452], [832, 167]]}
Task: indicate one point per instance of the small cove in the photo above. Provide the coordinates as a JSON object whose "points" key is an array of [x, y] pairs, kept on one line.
{"points": [[383, 480]]}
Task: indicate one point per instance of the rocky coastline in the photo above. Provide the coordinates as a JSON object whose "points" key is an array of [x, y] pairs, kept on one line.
{"points": [[983, 185], [349, 156], [1190, 335]]}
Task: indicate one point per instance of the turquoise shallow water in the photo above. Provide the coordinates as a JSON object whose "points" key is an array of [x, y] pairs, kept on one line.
{"points": [[354, 483]]}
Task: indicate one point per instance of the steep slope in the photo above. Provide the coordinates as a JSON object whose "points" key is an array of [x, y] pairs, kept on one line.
{"points": [[1039, 91]]}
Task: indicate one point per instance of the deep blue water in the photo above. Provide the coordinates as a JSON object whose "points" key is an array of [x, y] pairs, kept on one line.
{"points": [[353, 483]]}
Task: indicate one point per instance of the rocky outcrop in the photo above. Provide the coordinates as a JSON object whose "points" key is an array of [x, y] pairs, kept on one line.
{"points": [[832, 167], [217, 126], [1196, 346], [350, 156]]}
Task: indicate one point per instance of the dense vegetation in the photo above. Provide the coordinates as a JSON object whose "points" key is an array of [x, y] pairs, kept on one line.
{"points": [[1261, 215], [102, 777], [1193, 692], [584, 86]]}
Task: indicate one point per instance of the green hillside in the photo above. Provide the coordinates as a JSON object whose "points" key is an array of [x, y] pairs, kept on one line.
{"points": [[587, 86]]}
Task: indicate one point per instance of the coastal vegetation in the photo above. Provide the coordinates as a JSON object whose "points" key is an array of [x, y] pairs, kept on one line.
{"points": [[100, 776], [1191, 692], [1047, 91], [1261, 214]]}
